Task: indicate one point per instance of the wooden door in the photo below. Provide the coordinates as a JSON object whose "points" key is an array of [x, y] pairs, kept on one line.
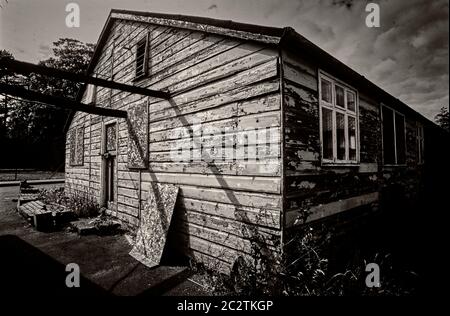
{"points": [[109, 162]]}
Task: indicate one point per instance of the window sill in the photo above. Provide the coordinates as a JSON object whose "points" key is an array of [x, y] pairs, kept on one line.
{"points": [[393, 167], [340, 164], [140, 78]]}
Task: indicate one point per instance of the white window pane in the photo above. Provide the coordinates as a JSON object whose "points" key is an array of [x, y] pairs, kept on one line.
{"points": [[351, 101], [340, 135], [351, 138], [327, 133], [339, 96], [326, 90]]}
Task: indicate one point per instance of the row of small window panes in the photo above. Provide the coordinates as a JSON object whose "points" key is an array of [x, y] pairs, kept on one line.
{"points": [[327, 130], [344, 98]]}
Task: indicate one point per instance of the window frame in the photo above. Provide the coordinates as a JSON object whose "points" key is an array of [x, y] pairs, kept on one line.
{"points": [[74, 145], [394, 113], [420, 144], [346, 112], [104, 137], [145, 71]]}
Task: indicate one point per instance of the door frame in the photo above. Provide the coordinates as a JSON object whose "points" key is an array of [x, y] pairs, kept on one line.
{"points": [[103, 167]]}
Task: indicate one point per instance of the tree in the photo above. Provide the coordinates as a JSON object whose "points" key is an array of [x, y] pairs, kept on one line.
{"points": [[33, 129], [71, 55], [442, 119], [7, 102], [38, 122]]}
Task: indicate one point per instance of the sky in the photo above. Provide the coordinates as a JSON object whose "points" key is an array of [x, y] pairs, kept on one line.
{"points": [[407, 55]]}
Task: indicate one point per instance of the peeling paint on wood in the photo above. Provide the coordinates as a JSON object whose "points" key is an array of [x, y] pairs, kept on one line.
{"points": [[137, 156], [154, 224]]}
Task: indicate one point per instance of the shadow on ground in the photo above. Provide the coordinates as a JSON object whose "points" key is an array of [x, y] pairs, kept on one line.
{"points": [[27, 270], [33, 263]]}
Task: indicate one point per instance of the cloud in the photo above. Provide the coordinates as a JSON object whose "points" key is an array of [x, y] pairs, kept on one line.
{"points": [[407, 56], [44, 51]]}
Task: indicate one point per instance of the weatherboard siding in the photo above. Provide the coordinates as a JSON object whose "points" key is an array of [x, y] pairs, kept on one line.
{"points": [[227, 84], [310, 186]]}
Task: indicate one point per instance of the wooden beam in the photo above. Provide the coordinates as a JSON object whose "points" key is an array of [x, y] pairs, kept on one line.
{"points": [[296, 217], [60, 102], [27, 68]]}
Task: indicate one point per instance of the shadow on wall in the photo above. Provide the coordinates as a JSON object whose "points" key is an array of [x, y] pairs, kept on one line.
{"points": [[178, 244]]}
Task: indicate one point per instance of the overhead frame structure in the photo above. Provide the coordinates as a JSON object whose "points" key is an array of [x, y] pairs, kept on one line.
{"points": [[60, 102], [25, 68]]}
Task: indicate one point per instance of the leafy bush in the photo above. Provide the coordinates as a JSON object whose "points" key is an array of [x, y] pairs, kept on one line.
{"points": [[81, 203]]}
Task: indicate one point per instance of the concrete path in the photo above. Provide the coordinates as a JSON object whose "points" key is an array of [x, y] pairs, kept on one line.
{"points": [[34, 262]]}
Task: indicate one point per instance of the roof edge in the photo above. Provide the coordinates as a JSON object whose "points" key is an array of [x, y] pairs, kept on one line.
{"points": [[285, 37], [294, 40], [266, 34]]}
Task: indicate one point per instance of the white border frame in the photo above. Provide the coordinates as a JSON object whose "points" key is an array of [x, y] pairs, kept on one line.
{"points": [[330, 106]]}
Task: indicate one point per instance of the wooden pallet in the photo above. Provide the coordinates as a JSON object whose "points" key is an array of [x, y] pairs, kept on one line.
{"points": [[37, 214], [42, 216]]}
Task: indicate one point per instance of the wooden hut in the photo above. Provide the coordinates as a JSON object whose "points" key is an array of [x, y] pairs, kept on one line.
{"points": [[263, 132]]}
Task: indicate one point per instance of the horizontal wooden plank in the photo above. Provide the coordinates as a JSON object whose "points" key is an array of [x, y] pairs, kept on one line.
{"points": [[259, 217], [268, 201], [213, 235], [269, 167], [296, 217], [247, 123], [196, 54], [242, 183], [251, 60], [239, 138], [262, 72], [266, 103]]}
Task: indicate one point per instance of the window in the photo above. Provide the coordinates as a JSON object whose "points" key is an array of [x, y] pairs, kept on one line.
{"points": [[76, 139], [420, 144], [142, 48], [110, 138], [394, 142], [338, 121]]}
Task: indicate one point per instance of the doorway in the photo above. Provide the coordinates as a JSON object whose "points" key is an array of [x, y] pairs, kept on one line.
{"points": [[109, 167]]}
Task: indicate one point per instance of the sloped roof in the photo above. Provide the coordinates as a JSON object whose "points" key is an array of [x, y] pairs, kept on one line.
{"points": [[285, 38]]}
